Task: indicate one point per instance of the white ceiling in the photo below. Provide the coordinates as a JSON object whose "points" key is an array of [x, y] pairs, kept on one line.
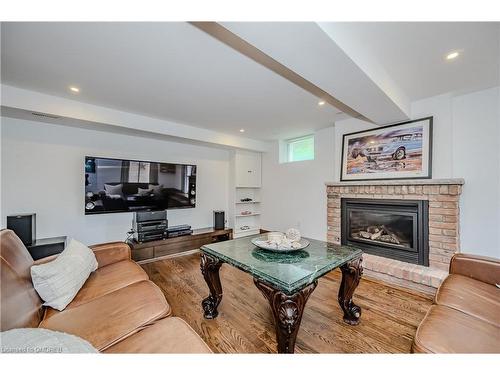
{"points": [[413, 53], [170, 71], [311, 52], [174, 71]]}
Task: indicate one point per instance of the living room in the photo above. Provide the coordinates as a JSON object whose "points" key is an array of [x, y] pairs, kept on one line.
{"points": [[227, 194]]}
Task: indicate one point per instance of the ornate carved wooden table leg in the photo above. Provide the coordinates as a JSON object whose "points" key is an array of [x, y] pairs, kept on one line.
{"points": [[210, 266], [351, 274], [287, 312]]}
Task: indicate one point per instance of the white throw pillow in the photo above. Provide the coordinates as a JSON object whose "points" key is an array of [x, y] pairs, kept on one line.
{"points": [[144, 192], [156, 188], [114, 189], [41, 340], [59, 281]]}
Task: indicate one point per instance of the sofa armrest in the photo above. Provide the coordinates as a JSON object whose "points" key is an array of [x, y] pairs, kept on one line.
{"points": [[481, 268], [111, 252]]}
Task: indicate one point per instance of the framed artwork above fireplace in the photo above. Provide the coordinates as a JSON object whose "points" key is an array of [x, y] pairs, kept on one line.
{"points": [[398, 151]]}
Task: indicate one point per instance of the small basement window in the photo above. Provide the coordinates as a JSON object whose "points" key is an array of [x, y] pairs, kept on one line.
{"points": [[299, 149]]}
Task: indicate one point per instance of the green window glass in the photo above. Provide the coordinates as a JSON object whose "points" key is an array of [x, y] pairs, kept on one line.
{"points": [[301, 148]]}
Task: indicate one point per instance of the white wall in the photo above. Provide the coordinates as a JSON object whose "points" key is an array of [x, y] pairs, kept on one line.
{"points": [[42, 172], [293, 194], [476, 150], [439, 107], [466, 144]]}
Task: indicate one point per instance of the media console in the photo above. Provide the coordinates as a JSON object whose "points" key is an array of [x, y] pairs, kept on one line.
{"points": [[148, 251]]}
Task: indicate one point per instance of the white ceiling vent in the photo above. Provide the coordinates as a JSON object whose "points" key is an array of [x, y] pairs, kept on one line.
{"points": [[46, 115]]}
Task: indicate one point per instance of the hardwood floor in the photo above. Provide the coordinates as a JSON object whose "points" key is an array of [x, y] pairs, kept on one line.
{"points": [[390, 315]]}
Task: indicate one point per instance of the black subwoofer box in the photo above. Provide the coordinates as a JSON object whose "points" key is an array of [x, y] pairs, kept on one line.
{"points": [[24, 225], [219, 220]]}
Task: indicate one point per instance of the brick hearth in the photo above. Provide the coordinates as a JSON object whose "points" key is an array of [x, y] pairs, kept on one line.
{"points": [[444, 218]]}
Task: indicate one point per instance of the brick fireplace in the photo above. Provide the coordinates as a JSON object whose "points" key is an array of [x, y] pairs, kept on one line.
{"points": [[441, 199]]}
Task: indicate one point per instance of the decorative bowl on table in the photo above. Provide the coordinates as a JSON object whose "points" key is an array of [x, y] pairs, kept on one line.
{"points": [[281, 242]]}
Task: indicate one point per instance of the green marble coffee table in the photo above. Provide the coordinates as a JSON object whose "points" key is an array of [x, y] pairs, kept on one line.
{"points": [[286, 279]]}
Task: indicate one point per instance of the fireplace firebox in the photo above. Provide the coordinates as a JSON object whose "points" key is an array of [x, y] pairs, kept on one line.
{"points": [[396, 229]]}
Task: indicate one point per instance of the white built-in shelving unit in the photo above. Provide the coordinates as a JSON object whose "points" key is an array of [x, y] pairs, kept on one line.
{"points": [[245, 183]]}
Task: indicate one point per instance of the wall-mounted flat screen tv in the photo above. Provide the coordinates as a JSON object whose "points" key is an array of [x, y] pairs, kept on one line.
{"points": [[116, 185]]}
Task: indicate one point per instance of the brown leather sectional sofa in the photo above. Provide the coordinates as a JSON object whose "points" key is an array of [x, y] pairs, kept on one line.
{"points": [[465, 316], [118, 309]]}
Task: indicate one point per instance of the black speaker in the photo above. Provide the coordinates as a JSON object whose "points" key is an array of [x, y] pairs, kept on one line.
{"points": [[219, 221], [24, 225]]}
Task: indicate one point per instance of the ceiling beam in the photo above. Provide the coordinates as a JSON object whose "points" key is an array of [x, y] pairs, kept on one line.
{"points": [[314, 54], [36, 106], [227, 37]]}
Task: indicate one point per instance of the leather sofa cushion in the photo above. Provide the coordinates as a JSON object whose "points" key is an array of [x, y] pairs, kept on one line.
{"points": [[477, 267], [112, 317], [103, 281], [111, 252], [20, 305], [446, 330], [472, 297], [170, 335]]}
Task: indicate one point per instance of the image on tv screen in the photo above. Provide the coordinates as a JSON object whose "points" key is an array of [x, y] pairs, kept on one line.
{"points": [[115, 185]]}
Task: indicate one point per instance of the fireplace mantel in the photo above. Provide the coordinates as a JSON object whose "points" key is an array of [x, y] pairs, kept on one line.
{"points": [[435, 181]]}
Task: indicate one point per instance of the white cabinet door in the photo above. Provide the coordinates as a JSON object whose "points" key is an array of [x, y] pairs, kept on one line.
{"points": [[248, 170]]}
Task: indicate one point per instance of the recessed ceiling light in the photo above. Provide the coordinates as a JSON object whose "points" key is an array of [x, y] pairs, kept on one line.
{"points": [[74, 89], [321, 102], [452, 55], [242, 130]]}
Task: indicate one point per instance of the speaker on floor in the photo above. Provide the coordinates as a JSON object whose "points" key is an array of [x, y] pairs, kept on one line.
{"points": [[219, 220], [24, 225]]}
